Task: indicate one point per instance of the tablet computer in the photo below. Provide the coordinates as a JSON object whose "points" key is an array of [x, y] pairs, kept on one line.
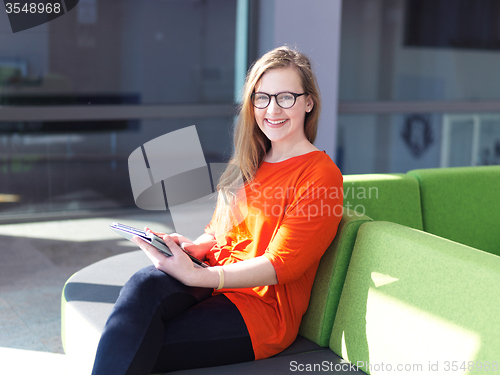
{"points": [[151, 238]]}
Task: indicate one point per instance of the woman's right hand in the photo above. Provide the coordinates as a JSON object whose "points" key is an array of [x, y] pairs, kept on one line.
{"points": [[197, 248], [178, 238]]}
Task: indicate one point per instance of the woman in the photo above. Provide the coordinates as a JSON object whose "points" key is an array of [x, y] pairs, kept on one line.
{"points": [[264, 242]]}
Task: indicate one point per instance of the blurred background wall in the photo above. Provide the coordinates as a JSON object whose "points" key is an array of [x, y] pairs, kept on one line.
{"points": [[405, 83]]}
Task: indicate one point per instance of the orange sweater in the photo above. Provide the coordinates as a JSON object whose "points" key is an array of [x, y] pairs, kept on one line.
{"points": [[293, 210]]}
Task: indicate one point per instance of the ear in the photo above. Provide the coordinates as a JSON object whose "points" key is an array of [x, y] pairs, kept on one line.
{"points": [[309, 104]]}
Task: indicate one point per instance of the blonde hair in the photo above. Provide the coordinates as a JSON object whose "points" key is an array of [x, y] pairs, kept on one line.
{"points": [[250, 143]]}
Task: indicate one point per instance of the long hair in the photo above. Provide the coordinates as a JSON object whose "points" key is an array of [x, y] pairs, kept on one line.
{"points": [[250, 143]]}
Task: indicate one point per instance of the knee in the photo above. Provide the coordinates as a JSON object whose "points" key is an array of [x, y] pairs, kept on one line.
{"points": [[149, 281]]}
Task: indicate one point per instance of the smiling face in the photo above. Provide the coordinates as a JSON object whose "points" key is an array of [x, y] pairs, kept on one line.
{"points": [[282, 126]]}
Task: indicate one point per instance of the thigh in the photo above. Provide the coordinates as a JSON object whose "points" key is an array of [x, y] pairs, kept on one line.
{"points": [[211, 333], [133, 334], [149, 287]]}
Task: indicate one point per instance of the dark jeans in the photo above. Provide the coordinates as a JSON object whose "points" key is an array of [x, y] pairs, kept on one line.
{"points": [[159, 324]]}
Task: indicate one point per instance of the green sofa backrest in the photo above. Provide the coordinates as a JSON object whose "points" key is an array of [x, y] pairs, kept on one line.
{"points": [[462, 204], [419, 301], [385, 197], [318, 320]]}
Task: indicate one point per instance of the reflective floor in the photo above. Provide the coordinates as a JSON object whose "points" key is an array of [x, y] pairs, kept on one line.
{"points": [[36, 259]]}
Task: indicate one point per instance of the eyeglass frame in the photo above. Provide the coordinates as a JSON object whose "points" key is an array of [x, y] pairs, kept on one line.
{"points": [[295, 96]]}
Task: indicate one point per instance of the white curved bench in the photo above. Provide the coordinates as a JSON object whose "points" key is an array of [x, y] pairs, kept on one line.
{"points": [[87, 299]]}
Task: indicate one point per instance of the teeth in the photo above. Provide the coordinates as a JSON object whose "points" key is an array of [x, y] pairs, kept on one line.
{"points": [[276, 122]]}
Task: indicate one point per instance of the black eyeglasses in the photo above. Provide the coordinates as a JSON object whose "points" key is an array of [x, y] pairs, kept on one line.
{"points": [[285, 100]]}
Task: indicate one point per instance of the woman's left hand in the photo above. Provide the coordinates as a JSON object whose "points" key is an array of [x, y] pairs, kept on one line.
{"points": [[179, 265]]}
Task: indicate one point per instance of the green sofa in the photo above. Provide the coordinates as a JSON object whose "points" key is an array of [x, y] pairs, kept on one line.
{"points": [[460, 204], [395, 288], [415, 303]]}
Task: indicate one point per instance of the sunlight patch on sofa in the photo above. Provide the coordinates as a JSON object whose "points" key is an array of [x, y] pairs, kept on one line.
{"points": [[380, 279], [398, 333]]}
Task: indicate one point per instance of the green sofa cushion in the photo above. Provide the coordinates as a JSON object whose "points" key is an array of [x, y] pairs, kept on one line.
{"points": [[462, 204], [414, 299], [318, 320], [385, 197]]}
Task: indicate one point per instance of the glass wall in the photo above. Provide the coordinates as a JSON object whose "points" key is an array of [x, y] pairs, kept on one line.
{"points": [[81, 92], [85, 171], [408, 70], [128, 51]]}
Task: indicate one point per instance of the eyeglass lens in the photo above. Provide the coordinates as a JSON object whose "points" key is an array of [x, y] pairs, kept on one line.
{"points": [[285, 100]]}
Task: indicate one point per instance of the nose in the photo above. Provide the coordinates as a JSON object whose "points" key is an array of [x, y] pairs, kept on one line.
{"points": [[273, 106]]}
